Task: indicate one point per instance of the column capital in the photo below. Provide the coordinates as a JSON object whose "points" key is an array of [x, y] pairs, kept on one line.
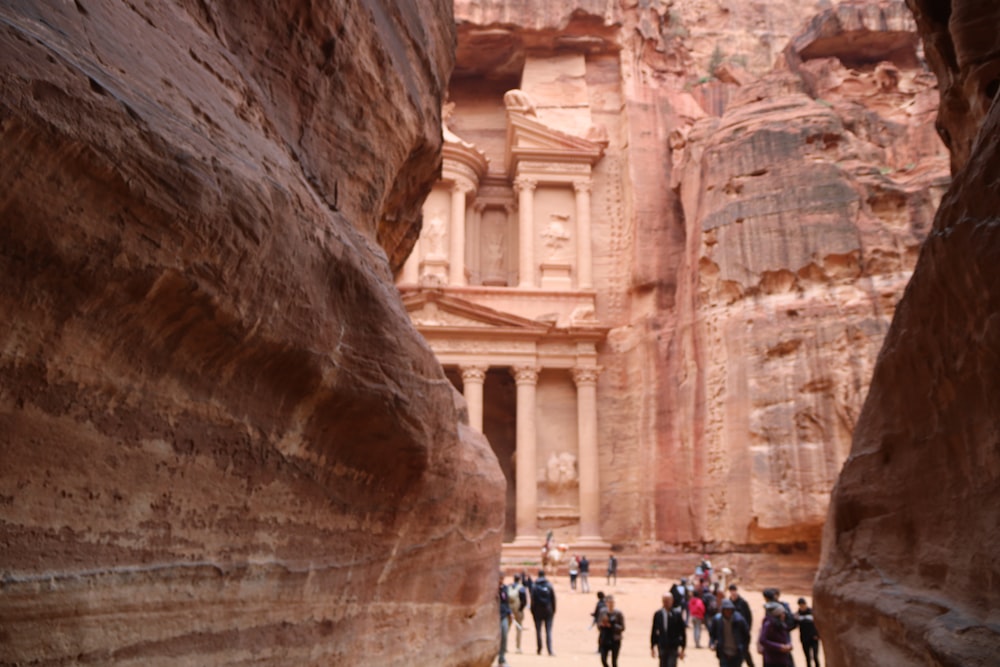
{"points": [[462, 185], [583, 185], [473, 372], [525, 183], [586, 375], [525, 374]]}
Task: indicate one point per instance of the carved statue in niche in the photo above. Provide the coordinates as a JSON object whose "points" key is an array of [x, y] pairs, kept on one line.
{"points": [[495, 249], [434, 233], [556, 237], [560, 471]]}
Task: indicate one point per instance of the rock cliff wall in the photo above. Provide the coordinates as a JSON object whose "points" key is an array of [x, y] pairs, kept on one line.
{"points": [[222, 440], [909, 572], [771, 171]]}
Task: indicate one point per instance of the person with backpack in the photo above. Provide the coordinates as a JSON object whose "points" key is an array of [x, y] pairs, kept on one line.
{"points": [[543, 610], [518, 600]]}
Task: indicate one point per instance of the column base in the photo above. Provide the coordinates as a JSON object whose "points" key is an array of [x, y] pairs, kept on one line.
{"points": [[524, 541], [590, 542]]}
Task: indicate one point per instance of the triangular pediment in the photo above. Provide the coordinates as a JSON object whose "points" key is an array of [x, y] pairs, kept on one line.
{"points": [[436, 310], [529, 138]]}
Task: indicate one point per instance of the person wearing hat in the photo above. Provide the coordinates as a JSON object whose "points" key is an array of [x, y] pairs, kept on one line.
{"points": [[774, 640], [729, 635]]}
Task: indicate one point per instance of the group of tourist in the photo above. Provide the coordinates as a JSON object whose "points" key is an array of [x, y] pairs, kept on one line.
{"points": [[729, 621], [726, 616]]}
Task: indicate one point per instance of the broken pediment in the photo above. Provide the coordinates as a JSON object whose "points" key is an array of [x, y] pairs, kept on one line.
{"points": [[530, 139], [432, 309]]}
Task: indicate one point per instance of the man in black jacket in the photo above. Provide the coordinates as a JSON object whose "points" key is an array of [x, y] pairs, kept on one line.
{"points": [[543, 609], [668, 635], [743, 607]]}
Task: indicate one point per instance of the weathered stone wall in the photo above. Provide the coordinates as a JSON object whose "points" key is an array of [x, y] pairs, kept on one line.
{"points": [[771, 171], [222, 440], [909, 572]]}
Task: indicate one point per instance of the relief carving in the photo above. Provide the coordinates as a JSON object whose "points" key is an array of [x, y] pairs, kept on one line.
{"points": [[561, 471], [556, 235]]}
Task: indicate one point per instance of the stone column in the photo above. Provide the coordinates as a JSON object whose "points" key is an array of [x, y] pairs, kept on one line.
{"points": [[456, 251], [411, 269], [526, 483], [526, 231], [473, 377], [584, 259], [585, 378]]}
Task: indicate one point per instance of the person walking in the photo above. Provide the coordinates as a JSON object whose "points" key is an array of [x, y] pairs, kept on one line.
{"points": [[696, 612], [775, 642], [505, 619], [808, 633], [611, 626], [518, 599], [668, 637], [730, 635], [612, 569], [543, 610], [743, 607], [584, 574], [574, 571]]}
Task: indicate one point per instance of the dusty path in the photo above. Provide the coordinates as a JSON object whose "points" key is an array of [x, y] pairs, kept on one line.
{"points": [[575, 643]]}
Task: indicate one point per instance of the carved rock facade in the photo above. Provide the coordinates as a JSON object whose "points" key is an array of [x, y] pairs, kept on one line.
{"points": [[223, 442], [752, 226]]}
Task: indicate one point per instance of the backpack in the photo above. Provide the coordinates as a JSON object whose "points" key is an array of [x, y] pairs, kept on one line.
{"points": [[541, 594], [514, 597]]}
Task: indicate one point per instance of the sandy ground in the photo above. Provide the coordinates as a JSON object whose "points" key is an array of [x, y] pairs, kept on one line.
{"points": [[575, 643]]}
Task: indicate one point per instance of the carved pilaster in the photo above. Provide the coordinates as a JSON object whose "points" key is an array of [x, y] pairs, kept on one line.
{"points": [[586, 375]]}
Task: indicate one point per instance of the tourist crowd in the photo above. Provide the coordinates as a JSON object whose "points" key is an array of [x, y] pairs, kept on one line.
{"points": [[705, 607]]}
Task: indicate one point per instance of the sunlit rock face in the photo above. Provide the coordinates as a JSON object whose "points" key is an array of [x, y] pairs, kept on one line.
{"points": [[909, 572], [805, 202], [223, 442]]}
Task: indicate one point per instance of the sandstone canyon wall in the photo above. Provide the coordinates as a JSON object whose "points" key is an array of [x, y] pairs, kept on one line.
{"points": [[909, 573], [770, 173], [222, 440]]}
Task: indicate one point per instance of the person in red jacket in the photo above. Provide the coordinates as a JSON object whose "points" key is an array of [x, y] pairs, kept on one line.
{"points": [[696, 611]]}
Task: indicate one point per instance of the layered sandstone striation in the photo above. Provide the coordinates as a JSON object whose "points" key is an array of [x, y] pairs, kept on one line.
{"points": [[909, 572], [223, 442]]}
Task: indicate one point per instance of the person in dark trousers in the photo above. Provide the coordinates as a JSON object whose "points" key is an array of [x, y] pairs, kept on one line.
{"points": [[808, 633], [584, 574], [543, 610], [612, 569], [506, 617], [668, 636], [598, 610], [611, 625], [774, 595], [774, 640], [730, 635], [743, 607]]}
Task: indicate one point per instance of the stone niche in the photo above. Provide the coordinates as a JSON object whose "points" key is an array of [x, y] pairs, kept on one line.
{"points": [[222, 440]]}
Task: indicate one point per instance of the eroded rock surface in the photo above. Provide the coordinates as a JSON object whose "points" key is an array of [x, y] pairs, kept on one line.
{"points": [[222, 440], [758, 210], [909, 573]]}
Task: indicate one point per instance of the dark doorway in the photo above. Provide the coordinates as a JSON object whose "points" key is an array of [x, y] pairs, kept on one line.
{"points": [[500, 428]]}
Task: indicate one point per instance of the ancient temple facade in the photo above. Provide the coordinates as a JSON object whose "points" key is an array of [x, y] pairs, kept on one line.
{"points": [[501, 284]]}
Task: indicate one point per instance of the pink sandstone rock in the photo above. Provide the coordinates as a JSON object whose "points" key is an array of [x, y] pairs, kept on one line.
{"points": [[909, 572], [223, 442], [758, 211]]}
